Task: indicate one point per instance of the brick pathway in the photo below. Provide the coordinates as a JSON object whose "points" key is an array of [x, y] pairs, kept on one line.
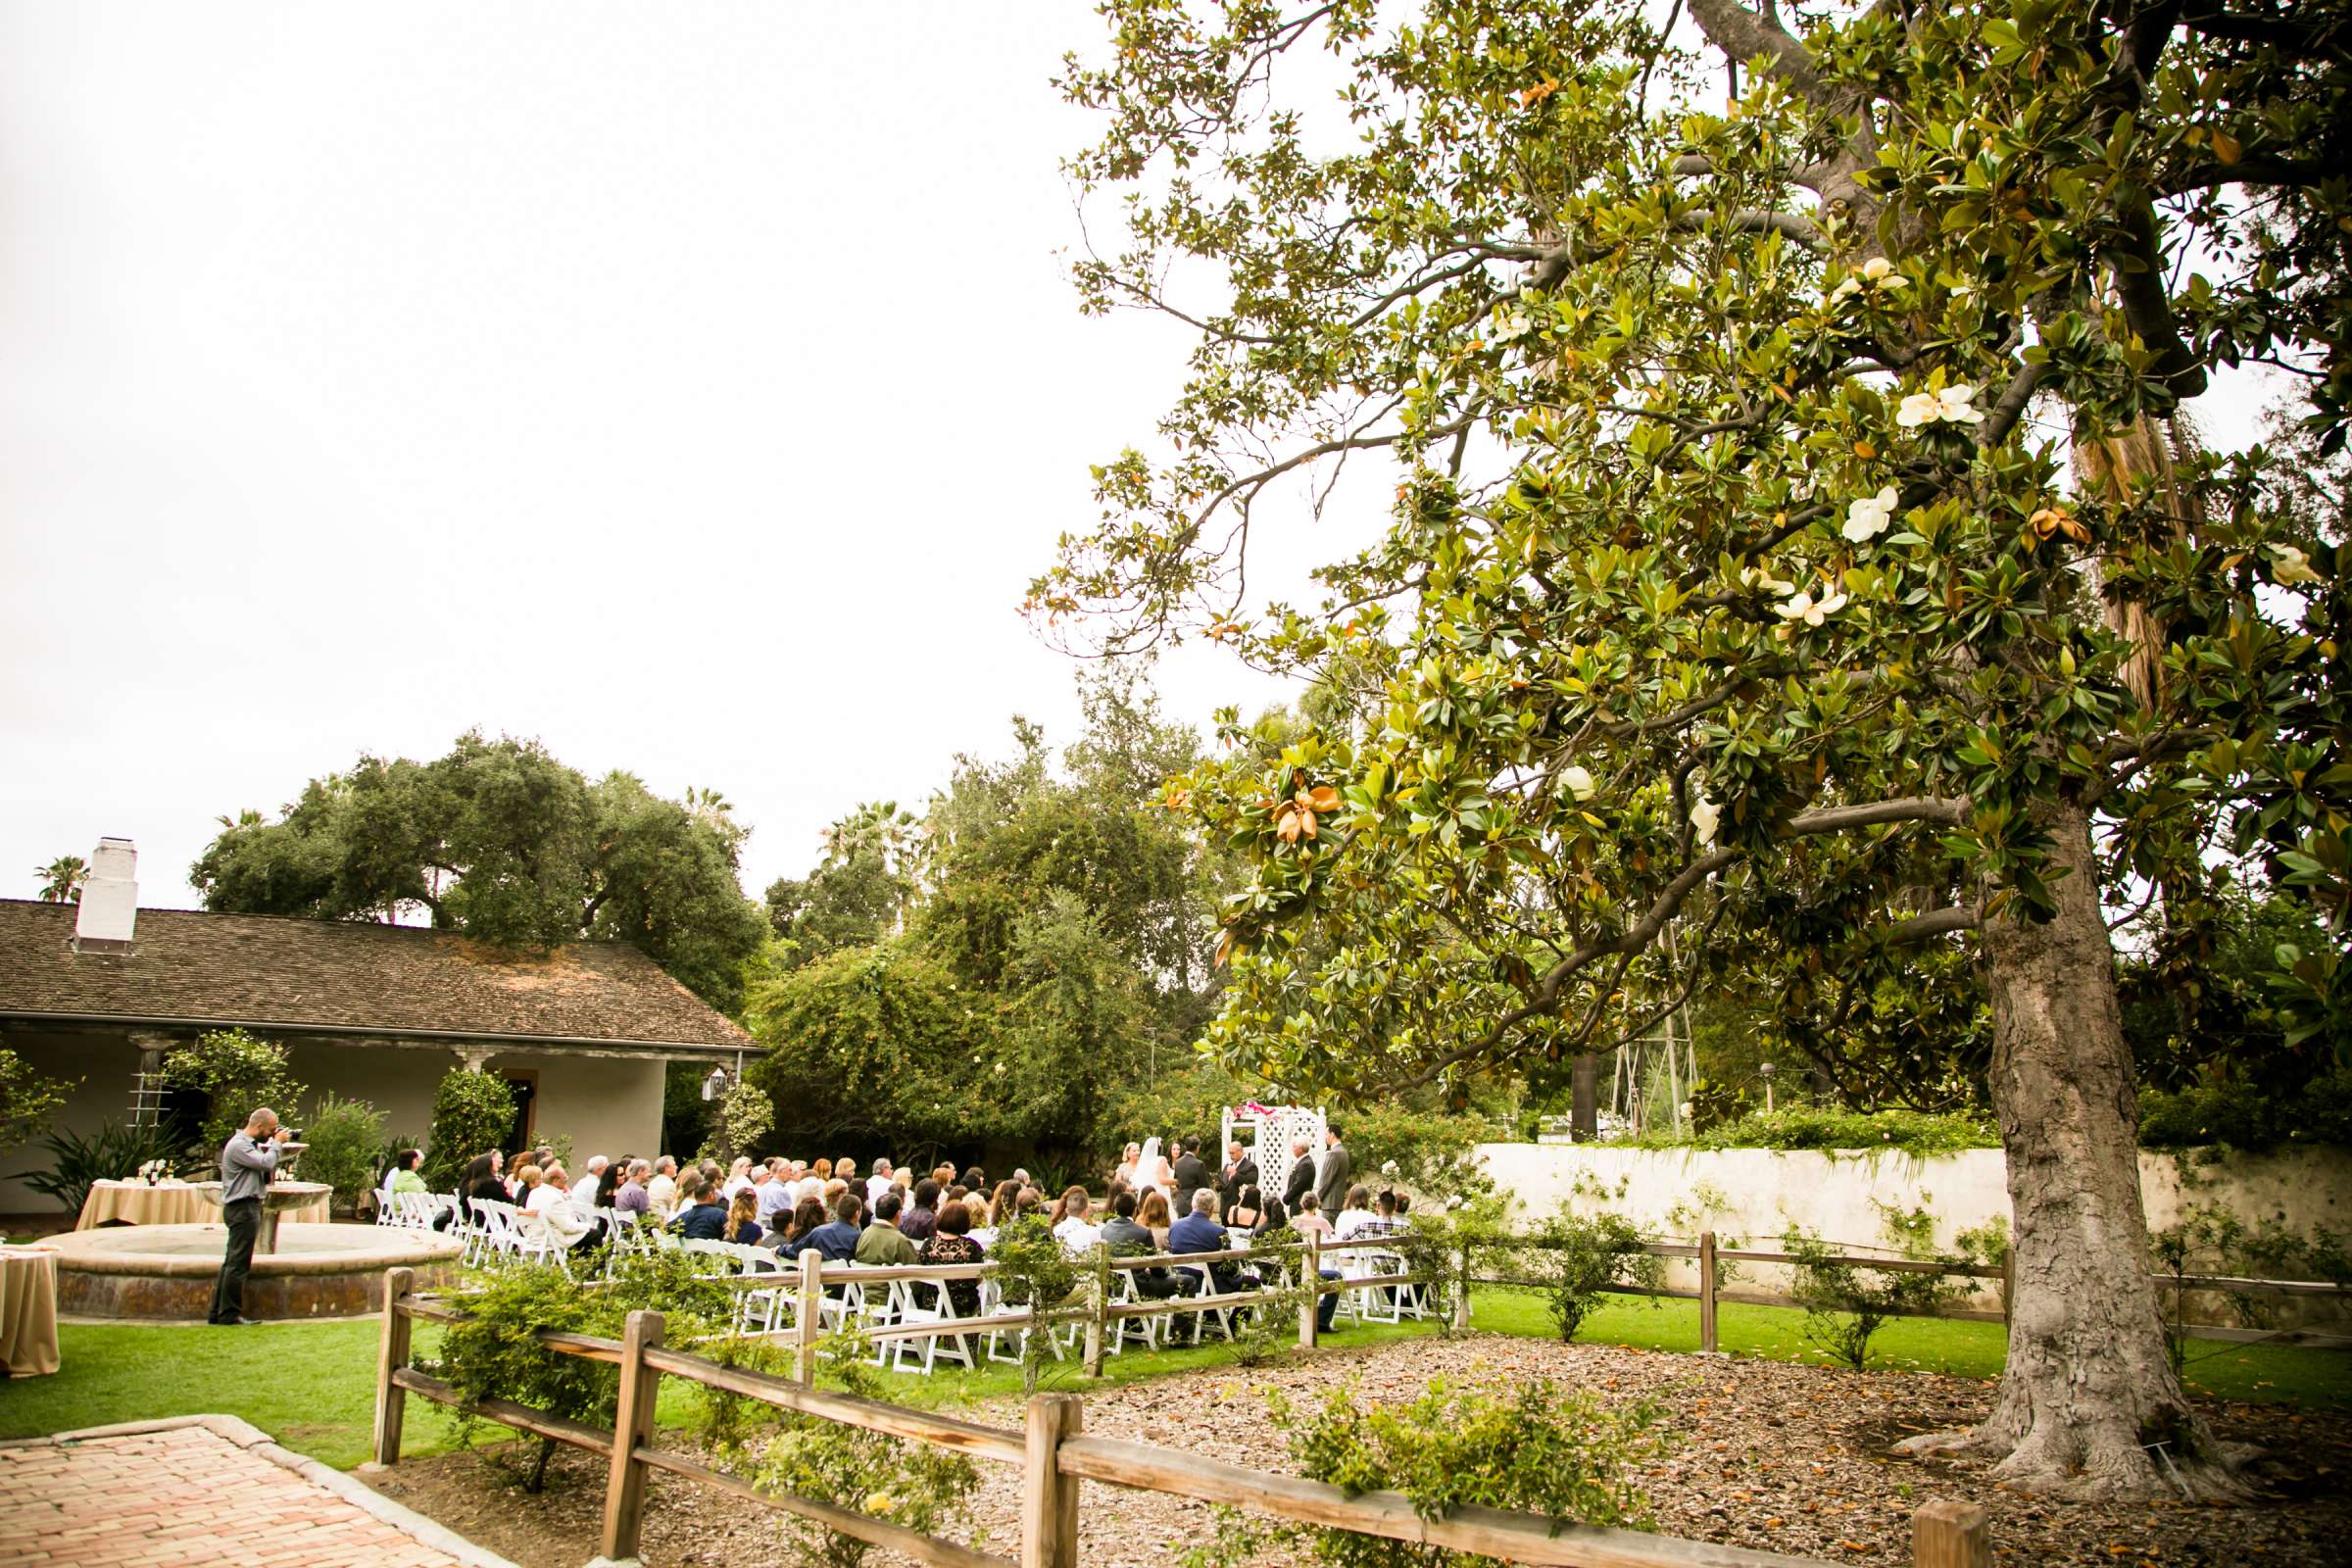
{"points": [[211, 1490]]}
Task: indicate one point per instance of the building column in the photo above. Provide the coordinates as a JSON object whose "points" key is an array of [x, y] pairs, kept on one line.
{"points": [[473, 1056]]}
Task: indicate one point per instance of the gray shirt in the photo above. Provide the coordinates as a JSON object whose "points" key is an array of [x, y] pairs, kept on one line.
{"points": [[245, 1168]]}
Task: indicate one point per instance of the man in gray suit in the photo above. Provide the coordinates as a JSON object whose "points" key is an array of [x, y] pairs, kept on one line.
{"points": [[1331, 1180]]}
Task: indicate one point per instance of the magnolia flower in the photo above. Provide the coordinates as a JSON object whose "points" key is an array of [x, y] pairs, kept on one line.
{"points": [[1705, 818], [1869, 516], [1954, 404], [1758, 577], [1388, 1167], [2289, 565], [1877, 273], [1578, 782], [1812, 612]]}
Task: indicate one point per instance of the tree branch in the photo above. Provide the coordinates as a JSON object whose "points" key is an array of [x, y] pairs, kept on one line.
{"points": [[1935, 923]]}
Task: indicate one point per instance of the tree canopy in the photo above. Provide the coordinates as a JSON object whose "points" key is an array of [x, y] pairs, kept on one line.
{"points": [[501, 841], [1038, 956], [1794, 554]]}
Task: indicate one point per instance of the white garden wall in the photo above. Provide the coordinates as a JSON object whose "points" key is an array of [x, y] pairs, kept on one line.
{"points": [[1756, 1194]]}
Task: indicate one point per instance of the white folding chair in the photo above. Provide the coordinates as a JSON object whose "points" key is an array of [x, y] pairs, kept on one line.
{"points": [[926, 1301], [1004, 1344], [1149, 1331], [1205, 1312]]}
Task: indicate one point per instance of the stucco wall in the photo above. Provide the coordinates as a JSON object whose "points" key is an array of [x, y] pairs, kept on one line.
{"points": [[105, 1064], [609, 1105], [1756, 1194]]}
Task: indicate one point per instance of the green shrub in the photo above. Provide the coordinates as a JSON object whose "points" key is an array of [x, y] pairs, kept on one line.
{"points": [[1918, 1134], [1432, 1151], [910, 1484], [495, 1353], [346, 1138], [27, 1100], [1846, 1304], [471, 1112], [2236, 1114], [1577, 1258], [238, 1074], [1563, 1455], [114, 1153], [1033, 1271]]}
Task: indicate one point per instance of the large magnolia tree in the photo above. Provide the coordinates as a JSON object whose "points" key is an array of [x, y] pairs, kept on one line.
{"points": [[1797, 561]]}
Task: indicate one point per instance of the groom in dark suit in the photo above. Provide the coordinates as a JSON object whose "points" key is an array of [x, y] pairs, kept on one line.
{"points": [[1189, 1175], [1301, 1179]]}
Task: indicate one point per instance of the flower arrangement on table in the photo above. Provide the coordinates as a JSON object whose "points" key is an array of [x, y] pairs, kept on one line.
{"points": [[156, 1172]]}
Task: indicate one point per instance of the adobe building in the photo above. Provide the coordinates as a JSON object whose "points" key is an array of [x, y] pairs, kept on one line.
{"points": [[102, 990]]}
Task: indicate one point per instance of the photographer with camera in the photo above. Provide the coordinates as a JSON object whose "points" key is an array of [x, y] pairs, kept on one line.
{"points": [[247, 1161]]}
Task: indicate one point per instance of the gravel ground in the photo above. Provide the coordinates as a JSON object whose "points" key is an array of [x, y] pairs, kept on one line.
{"points": [[1781, 1457]]}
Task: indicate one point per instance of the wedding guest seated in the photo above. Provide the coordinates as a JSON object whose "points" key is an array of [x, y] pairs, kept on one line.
{"points": [[975, 1180], [1072, 1225], [589, 1191], [882, 1242], [738, 1178], [1152, 1213], [702, 1215], [806, 1215], [550, 1202], [481, 1179], [951, 1244], [922, 1218], [1127, 1239], [1357, 1218], [631, 1198], [836, 1241], [404, 1178], [743, 1220], [1199, 1231], [1248, 1212], [661, 1192]]}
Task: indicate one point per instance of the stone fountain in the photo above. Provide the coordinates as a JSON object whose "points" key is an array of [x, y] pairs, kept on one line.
{"points": [[167, 1271]]}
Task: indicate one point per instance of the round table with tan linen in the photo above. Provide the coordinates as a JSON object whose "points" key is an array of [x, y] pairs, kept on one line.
{"points": [[27, 1311], [175, 1204]]}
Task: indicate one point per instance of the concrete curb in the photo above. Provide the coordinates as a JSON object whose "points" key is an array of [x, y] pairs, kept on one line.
{"points": [[253, 1440]]}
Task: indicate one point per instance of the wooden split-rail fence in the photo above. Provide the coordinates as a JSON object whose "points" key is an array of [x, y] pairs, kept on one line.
{"points": [[1055, 1454]]}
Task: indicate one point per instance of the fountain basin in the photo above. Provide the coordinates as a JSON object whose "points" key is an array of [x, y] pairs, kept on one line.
{"points": [[164, 1273]]}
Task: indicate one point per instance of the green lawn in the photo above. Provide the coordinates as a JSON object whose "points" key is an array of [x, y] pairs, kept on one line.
{"points": [[313, 1385]]}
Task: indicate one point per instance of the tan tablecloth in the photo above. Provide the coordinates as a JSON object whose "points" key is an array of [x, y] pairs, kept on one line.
{"points": [[138, 1204], [27, 1311]]}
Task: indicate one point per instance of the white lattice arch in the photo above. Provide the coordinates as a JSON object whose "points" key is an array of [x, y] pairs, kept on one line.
{"points": [[1272, 1129]]}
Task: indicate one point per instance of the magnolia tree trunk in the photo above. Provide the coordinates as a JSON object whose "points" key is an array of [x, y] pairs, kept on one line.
{"points": [[2088, 1393]]}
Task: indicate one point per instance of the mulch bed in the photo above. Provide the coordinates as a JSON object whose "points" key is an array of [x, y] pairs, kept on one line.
{"points": [[1784, 1457]]}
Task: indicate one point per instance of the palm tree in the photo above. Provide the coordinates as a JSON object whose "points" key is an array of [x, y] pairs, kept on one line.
{"points": [[62, 879]]}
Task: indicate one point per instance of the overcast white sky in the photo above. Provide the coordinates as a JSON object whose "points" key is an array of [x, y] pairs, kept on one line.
{"points": [[694, 388]]}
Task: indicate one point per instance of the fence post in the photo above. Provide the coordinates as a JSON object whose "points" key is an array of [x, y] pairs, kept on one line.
{"points": [[1095, 1329], [391, 1399], [1310, 1275], [1950, 1535], [1706, 1292], [808, 1319], [632, 1427], [1050, 1499], [2009, 1286]]}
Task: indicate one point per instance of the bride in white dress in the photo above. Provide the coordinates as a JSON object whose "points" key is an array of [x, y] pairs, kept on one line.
{"points": [[1152, 1169]]}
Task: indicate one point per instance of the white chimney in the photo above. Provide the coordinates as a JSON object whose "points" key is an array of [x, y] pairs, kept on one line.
{"points": [[110, 900]]}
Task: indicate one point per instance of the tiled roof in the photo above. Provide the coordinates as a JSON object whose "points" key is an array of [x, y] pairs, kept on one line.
{"points": [[189, 966]]}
